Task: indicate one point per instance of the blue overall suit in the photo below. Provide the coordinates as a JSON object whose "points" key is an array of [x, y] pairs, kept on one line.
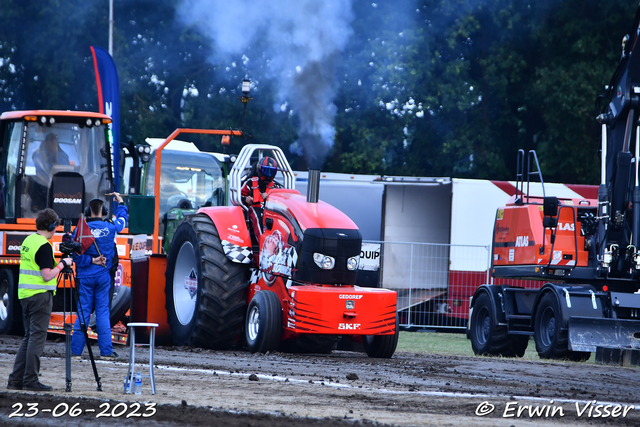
{"points": [[95, 281]]}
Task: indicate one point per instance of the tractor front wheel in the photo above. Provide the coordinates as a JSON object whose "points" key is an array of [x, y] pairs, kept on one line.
{"points": [[381, 346], [263, 325], [205, 291]]}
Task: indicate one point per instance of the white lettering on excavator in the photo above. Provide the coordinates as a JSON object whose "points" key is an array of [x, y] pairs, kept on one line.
{"points": [[570, 226], [522, 241], [342, 296]]}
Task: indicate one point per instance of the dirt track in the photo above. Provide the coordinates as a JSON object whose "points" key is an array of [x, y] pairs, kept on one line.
{"points": [[233, 388]]}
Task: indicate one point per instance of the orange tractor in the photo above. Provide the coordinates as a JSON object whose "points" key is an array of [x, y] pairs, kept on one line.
{"points": [[80, 159]]}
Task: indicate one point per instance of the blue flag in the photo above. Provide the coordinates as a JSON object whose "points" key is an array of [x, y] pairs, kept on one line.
{"points": [[109, 101]]}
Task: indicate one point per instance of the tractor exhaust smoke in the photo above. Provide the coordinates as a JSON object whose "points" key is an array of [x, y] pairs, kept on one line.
{"points": [[313, 186], [295, 44]]}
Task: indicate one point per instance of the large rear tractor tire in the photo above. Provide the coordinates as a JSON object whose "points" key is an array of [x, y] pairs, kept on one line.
{"points": [[263, 325], [205, 291], [381, 346], [490, 339], [551, 341], [10, 308]]}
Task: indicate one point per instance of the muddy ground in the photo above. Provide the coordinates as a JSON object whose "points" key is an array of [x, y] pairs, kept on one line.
{"points": [[235, 388]]}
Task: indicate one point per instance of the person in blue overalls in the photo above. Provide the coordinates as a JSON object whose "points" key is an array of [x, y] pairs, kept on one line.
{"points": [[92, 269]]}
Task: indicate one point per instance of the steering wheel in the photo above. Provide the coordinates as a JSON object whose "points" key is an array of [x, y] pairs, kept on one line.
{"points": [[178, 199]]}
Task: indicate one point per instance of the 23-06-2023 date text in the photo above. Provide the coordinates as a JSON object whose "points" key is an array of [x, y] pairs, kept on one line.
{"points": [[127, 410]]}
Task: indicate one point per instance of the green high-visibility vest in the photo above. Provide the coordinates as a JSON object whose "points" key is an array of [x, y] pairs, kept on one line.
{"points": [[30, 281]]}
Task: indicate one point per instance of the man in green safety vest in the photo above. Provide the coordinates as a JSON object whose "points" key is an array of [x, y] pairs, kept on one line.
{"points": [[36, 287]]}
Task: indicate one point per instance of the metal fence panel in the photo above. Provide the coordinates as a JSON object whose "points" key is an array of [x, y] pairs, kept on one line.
{"points": [[435, 282]]}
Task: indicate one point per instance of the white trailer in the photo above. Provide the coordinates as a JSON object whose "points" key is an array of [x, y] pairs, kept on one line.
{"points": [[437, 235]]}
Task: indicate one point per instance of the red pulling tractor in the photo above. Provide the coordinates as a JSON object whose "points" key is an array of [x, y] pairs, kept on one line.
{"points": [[292, 286]]}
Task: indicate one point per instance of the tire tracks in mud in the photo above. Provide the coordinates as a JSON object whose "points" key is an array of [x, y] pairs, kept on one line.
{"points": [[196, 386]]}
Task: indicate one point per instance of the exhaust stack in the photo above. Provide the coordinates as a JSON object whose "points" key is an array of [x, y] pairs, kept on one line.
{"points": [[313, 186]]}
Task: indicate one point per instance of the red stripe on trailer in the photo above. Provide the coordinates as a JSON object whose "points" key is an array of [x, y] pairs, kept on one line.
{"points": [[586, 191], [462, 285], [505, 186]]}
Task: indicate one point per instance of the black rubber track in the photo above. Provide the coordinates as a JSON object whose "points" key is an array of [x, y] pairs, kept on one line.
{"points": [[490, 339], [222, 287]]}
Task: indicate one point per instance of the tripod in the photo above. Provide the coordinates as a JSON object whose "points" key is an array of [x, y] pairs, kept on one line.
{"points": [[68, 280]]}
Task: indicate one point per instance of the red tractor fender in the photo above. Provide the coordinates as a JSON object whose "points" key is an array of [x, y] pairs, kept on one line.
{"points": [[233, 231]]}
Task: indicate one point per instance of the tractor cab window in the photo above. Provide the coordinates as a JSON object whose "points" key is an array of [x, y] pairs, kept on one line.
{"points": [[187, 180], [62, 147], [10, 155]]}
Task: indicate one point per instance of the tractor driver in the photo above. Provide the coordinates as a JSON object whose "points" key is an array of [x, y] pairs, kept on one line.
{"points": [[255, 190], [48, 154]]}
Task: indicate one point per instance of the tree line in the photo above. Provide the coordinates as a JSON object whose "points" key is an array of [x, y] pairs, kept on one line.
{"points": [[425, 87]]}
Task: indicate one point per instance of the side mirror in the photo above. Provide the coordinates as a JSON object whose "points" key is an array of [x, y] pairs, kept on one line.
{"points": [[550, 210], [550, 206]]}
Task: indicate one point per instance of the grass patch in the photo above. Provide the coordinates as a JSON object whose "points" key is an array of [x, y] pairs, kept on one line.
{"points": [[434, 343], [451, 344]]}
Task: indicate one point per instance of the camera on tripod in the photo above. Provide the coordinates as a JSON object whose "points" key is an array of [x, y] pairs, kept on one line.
{"points": [[66, 198], [68, 246]]}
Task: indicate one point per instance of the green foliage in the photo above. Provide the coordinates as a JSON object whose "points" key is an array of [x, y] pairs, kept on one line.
{"points": [[426, 87]]}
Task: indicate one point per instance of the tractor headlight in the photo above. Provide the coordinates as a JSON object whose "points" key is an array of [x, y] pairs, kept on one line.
{"points": [[352, 263], [324, 262]]}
